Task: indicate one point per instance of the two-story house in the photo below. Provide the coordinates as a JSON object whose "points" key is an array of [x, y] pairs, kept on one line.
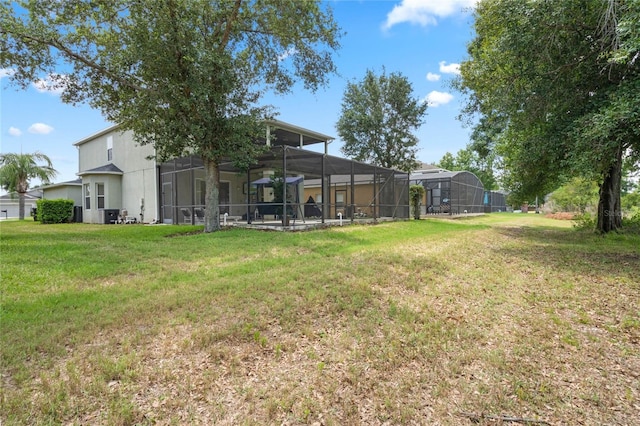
{"points": [[122, 178]]}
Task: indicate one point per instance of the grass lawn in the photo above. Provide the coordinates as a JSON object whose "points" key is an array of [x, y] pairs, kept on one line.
{"points": [[419, 322]]}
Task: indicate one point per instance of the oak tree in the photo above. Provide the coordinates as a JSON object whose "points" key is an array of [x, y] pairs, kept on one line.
{"points": [[379, 115], [184, 75], [564, 79]]}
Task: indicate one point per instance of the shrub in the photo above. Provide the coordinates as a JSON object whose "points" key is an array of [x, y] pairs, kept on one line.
{"points": [[631, 224], [55, 211], [584, 222], [416, 193]]}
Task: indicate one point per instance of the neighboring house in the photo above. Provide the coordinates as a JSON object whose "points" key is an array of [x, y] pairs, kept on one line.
{"points": [[9, 205], [71, 190], [120, 177], [117, 174]]}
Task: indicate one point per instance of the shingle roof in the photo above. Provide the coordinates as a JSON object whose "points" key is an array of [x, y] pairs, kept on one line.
{"points": [[106, 169]]}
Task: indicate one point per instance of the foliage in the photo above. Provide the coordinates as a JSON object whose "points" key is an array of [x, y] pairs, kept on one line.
{"points": [[184, 75], [416, 195], [632, 223], [377, 119], [277, 181], [17, 170], [584, 222], [631, 201], [54, 211], [575, 196], [559, 81]]}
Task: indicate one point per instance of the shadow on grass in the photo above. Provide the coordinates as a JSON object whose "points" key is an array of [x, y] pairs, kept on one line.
{"points": [[580, 252]]}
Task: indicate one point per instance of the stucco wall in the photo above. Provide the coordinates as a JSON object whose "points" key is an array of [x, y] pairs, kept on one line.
{"points": [[70, 192], [135, 187]]}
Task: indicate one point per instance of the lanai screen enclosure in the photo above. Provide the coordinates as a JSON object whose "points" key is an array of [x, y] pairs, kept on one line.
{"points": [[365, 191], [452, 192]]}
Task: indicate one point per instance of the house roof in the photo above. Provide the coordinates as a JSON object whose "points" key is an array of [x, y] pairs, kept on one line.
{"points": [[309, 163], [108, 169], [291, 135], [282, 132], [76, 182], [97, 134], [32, 194]]}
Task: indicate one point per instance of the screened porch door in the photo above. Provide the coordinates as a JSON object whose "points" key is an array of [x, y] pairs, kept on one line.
{"points": [[167, 202], [224, 197]]}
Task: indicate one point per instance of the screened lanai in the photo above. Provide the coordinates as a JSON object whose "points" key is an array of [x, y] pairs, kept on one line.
{"points": [[319, 187], [452, 192]]}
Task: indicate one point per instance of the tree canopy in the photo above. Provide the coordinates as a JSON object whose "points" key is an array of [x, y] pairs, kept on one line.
{"points": [[379, 115], [184, 75], [17, 171], [562, 81]]}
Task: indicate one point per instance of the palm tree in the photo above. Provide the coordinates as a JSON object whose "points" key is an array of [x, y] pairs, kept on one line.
{"points": [[17, 169]]}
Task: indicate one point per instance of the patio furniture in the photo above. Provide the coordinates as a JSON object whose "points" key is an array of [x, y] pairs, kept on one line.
{"points": [[199, 212], [186, 213]]}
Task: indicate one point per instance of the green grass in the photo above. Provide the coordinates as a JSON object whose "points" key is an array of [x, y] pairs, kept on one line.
{"points": [[399, 322]]}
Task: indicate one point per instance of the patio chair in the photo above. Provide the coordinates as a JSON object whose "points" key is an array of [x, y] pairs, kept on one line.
{"points": [[199, 212], [187, 215]]}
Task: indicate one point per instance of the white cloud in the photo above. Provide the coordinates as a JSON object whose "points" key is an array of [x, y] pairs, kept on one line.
{"points": [[289, 52], [40, 129], [7, 72], [435, 98], [425, 12], [449, 69], [52, 83], [433, 77], [14, 131]]}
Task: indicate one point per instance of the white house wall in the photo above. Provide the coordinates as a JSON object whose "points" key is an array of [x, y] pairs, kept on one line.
{"points": [[140, 194], [113, 196], [136, 186], [65, 192]]}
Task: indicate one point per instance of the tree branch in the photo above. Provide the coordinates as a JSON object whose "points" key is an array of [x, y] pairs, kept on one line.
{"points": [[66, 51], [230, 22]]}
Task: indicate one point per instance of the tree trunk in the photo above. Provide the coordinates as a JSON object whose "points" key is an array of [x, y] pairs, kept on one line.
{"points": [[212, 198], [21, 196], [609, 207]]}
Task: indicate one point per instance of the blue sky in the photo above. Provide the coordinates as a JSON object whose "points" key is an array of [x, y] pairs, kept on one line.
{"points": [[424, 40]]}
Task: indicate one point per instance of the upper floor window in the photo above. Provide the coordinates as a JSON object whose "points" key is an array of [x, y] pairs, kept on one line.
{"points": [[109, 148]]}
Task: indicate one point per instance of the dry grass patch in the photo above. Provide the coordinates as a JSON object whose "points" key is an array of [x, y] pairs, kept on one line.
{"points": [[384, 325]]}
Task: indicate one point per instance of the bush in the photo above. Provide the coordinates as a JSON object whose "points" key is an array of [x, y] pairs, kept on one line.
{"points": [[416, 193], [584, 222], [631, 224], [587, 222], [55, 211]]}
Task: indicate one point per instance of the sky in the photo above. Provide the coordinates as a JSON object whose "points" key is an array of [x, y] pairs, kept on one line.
{"points": [[423, 40]]}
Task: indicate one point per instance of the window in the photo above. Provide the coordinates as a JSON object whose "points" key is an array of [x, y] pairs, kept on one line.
{"points": [[100, 195], [87, 196], [110, 148]]}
